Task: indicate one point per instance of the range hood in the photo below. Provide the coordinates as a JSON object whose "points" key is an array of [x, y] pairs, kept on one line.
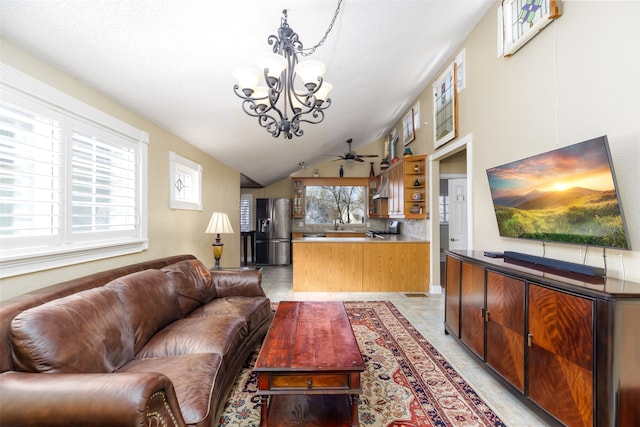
{"points": [[383, 191]]}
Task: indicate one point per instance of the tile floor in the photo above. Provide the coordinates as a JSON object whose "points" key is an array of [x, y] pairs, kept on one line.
{"points": [[426, 314]]}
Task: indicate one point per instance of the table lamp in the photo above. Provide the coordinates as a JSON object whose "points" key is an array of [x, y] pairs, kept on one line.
{"points": [[219, 224]]}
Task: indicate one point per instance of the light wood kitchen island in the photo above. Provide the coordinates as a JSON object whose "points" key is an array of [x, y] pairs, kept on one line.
{"points": [[360, 264]]}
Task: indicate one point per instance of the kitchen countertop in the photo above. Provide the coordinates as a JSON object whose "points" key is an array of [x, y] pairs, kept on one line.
{"points": [[388, 238]]}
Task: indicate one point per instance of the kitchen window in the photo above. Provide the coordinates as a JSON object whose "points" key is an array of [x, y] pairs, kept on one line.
{"points": [[330, 204], [72, 180]]}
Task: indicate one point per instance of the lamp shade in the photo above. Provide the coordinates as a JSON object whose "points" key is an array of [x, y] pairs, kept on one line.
{"points": [[219, 224], [247, 77], [310, 70], [323, 92], [273, 62]]}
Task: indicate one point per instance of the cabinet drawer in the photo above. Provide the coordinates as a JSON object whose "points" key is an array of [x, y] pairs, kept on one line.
{"points": [[310, 381]]}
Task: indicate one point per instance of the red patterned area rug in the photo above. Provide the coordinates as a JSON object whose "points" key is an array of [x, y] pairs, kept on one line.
{"points": [[407, 382]]}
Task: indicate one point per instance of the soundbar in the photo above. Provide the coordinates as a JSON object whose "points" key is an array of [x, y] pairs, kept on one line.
{"points": [[556, 264]]}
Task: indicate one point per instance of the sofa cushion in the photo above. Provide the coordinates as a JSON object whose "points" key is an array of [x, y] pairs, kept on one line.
{"points": [[87, 332], [151, 302], [193, 284], [247, 283], [194, 378], [191, 335], [253, 310]]}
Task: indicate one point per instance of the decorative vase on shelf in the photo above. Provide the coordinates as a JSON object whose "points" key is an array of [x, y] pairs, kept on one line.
{"points": [[372, 173], [407, 152], [341, 171], [416, 168]]}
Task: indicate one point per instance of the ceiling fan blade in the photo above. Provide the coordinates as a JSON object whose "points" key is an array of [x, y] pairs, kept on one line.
{"points": [[358, 159], [367, 155]]}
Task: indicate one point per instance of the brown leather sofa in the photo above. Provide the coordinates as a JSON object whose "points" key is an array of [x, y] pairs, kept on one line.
{"points": [[158, 343]]}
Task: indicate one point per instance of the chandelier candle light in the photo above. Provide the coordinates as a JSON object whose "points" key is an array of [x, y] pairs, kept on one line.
{"points": [[283, 103], [219, 224]]}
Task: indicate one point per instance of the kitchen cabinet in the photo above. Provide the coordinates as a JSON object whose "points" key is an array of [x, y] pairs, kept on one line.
{"points": [[378, 207], [396, 264], [396, 191], [415, 193], [567, 348], [297, 208], [407, 188], [344, 234]]}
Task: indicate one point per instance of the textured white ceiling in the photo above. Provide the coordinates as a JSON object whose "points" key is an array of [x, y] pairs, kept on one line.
{"points": [[171, 62]]}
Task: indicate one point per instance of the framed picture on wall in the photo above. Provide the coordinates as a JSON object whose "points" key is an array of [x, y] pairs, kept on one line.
{"points": [[520, 20], [390, 146], [445, 107], [408, 131]]}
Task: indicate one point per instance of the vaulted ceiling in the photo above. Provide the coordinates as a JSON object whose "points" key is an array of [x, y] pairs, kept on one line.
{"points": [[171, 62]]}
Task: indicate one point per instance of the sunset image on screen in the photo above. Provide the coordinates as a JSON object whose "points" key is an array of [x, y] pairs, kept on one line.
{"points": [[565, 195]]}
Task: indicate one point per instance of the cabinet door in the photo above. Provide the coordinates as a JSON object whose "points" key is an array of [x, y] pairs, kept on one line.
{"points": [[297, 210], [505, 327], [396, 192], [452, 295], [560, 354], [472, 308]]}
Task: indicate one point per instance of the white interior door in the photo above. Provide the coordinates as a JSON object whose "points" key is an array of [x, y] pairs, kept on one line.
{"points": [[458, 224]]}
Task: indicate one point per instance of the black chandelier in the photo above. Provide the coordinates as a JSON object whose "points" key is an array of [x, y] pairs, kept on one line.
{"points": [[283, 104]]}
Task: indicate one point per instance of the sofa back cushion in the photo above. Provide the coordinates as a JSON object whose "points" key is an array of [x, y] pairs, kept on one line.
{"points": [[150, 300], [82, 333], [193, 284]]}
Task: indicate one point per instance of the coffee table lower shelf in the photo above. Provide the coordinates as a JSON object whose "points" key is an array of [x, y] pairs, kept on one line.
{"points": [[310, 410]]}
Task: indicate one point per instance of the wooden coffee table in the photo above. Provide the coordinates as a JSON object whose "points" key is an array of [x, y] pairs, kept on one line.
{"points": [[309, 367]]}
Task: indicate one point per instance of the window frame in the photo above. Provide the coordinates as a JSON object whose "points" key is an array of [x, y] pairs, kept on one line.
{"points": [[20, 87], [338, 182], [179, 164]]}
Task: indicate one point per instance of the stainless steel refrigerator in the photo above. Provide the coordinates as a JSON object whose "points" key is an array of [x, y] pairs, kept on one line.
{"points": [[273, 231]]}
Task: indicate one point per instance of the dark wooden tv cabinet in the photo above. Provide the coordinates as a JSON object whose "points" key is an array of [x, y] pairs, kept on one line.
{"points": [[569, 349]]}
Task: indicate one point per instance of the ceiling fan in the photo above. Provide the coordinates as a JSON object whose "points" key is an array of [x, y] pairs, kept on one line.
{"points": [[351, 155]]}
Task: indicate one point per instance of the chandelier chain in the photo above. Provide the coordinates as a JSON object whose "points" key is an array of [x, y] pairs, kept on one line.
{"points": [[311, 50]]}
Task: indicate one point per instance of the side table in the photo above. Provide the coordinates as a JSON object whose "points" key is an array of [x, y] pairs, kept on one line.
{"points": [[247, 235]]}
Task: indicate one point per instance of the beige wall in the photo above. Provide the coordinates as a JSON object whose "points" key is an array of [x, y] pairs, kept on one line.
{"points": [[576, 80], [171, 232], [455, 164], [328, 168]]}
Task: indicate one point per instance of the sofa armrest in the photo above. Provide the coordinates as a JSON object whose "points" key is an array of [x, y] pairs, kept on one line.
{"points": [[246, 283], [120, 399]]}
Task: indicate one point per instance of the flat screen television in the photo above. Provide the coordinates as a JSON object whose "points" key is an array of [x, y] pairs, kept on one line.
{"points": [[567, 195]]}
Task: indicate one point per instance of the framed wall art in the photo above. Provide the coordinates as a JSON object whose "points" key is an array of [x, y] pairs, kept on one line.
{"points": [[445, 107], [520, 20], [408, 131], [391, 145]]}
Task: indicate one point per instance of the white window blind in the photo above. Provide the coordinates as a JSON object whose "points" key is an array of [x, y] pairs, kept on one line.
{"points": [[72, 180], [246, 212], [31, 177], [103, 181]]}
